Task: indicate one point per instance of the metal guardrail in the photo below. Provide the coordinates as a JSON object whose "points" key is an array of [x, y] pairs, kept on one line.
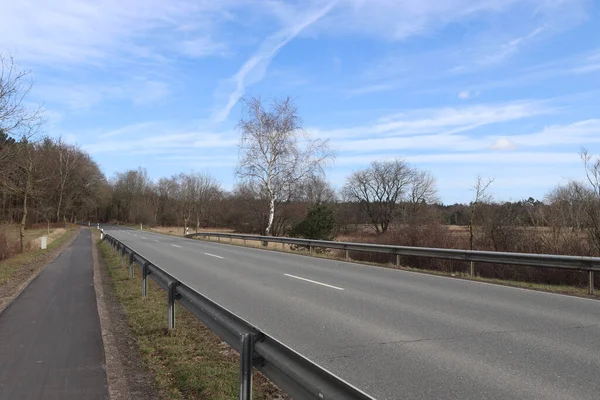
{"points": [[292, 372], [590, 264]]}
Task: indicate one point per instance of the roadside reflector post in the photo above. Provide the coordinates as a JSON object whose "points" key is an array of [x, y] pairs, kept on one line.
{"points": [[472, 269], [591, 282], [397, 260]]}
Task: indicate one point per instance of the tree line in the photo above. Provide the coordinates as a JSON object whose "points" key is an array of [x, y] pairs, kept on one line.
{"points": [[281, 190]]}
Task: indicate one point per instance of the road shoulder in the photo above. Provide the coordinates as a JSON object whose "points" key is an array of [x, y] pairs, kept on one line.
{"points": [[128, 378]]}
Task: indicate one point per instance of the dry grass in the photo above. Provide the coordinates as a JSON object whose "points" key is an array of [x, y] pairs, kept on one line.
{"points": [[10, 239], [189, 362], [13, 265]]}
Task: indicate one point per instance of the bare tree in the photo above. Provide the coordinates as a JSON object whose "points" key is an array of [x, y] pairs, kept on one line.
{"points": [[275, 152], [591, 198], [481, 196], [207, 190], [421, 192], [379, 189], [67, 160], [24, 177], [316, 190], [16, 118]]}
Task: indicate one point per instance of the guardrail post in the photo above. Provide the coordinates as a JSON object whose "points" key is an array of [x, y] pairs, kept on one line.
{"points": [[472, 269], [230, 239], [246, 355], [244, 240], [131, 264], [145, 273], [591, 283], [310, 249], [171, 310], [397, 260]]}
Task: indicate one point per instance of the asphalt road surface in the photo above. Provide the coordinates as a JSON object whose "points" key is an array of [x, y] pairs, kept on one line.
{"points": [[50, 340], [398, 334]]}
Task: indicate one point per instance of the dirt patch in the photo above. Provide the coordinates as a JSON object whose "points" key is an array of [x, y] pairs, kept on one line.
{"points": [[27, 272], [127, 377]]}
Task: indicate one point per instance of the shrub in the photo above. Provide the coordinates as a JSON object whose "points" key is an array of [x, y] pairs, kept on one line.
{"points": [[319, 224]]}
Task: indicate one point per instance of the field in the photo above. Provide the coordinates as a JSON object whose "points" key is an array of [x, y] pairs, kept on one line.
{"points": [[10, 240]]}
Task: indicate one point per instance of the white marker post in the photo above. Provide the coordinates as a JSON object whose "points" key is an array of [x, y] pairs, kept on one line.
{"points": [[44, 242], [141, 227]]}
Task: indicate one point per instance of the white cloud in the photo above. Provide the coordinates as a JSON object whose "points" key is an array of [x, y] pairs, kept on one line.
{"points": [[140, 91], [449, 119], [160, 138], [253, 70], [202, 47], [399, 20], [575, 134], [99, 32], [460, 158], [510, 47], [503, 144]]}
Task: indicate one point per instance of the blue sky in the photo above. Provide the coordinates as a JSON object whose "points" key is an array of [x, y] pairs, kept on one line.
{"points": [[508, 89]]}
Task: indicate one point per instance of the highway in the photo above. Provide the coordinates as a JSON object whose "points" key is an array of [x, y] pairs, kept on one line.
{"points": [[397, 334]]}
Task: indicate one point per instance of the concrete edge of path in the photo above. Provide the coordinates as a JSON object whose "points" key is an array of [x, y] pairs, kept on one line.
{"points": [[127, 377], [7, 301]]}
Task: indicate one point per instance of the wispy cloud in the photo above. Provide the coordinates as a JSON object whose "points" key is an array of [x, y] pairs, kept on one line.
{"points": [[167, 144], [139, 91], [510, 47], [74, 32], [468, 94], [253, 70], [447, 119], [574, 134], [202, 47]]}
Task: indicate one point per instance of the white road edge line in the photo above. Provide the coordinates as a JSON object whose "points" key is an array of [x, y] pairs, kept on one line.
{"points": [[213, 255], [174, 245], [311, 281], [156, 241], [144, 237]]}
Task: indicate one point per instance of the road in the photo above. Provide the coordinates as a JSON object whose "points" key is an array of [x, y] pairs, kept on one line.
{"points": [[398, 334], [50, 340]]}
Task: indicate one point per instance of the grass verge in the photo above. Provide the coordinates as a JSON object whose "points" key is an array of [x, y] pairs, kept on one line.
{"points": [[12, 266], [189, 362], [334, 255]]}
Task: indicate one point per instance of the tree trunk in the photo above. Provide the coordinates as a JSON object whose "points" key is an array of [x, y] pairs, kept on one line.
{"points": [[23, 221], [60, 196], [271, 215]]}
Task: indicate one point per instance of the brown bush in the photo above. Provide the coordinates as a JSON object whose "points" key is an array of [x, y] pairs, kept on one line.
{"points": [[8, 246], [505, 239]]}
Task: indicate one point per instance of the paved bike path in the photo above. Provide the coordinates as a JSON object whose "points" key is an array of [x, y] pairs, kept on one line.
{"points": [[50, 338]]}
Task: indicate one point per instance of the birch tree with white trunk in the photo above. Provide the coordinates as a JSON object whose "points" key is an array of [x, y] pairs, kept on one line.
{"points": [[275, 152]]}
